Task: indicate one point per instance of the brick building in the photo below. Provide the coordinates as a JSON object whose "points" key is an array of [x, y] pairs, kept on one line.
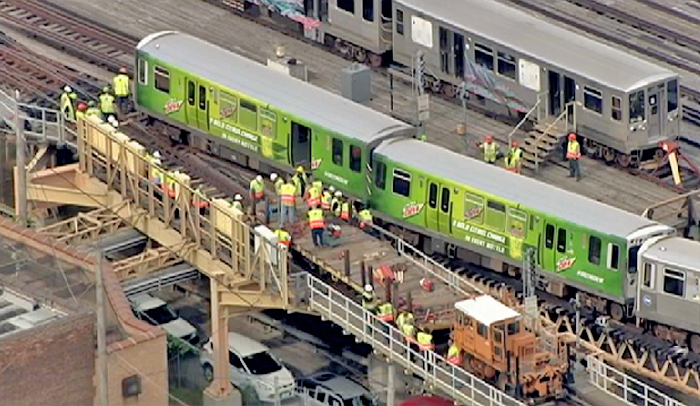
{"points": [[48, 329]]}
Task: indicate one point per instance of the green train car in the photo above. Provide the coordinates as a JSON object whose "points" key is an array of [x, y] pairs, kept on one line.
{"points": [[454, 205]]}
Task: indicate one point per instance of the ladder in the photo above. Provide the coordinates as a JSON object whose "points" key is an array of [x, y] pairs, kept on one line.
{"points": [[541, 143]]}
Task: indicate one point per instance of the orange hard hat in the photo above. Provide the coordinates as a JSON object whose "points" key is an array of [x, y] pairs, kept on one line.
{"points": [[488, 138], [572, 136], [81, 106], [122, 70], [515, 144]]}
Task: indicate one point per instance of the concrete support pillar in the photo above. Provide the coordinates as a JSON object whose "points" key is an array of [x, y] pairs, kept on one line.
{"points": [[387, 381]]}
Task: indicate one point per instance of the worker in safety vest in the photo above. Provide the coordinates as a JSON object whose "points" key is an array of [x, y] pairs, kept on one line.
{"points": [[345, 211], [107, 106], [454, 354], [199, 200], [409, 332], [287, 203], [277, 182], [155, 175], [81, 108], [425, 341], [68, 97], [513, 159], [300, 181], [257, 190], [314, 196], [385, 312], [326, 198], [237, 203], [92, 110], [283, 237], [369, 301], [490, 149], [365, 218], [121, 90], [336, 203], [317, 224], [318, 184], [169, 183], [405, 317], [573, 154]]}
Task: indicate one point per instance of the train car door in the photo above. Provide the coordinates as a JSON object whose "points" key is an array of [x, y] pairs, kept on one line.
{"points": [[191, 108], [655, 110], [548, 248], [445, 213], [301, 144], [202, 108], [439, 211], [432, 209], [554, 80]]}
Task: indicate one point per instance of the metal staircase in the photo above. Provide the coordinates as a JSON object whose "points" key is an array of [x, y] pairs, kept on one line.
{"points": [[547, 135]]}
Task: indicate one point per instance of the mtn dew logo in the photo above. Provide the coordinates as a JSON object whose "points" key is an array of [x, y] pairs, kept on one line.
{"points": [[412, 209], [316, 163], [565, 263], [172, 106]]}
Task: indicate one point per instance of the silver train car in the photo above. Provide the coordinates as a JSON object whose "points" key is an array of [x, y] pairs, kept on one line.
{"points": [[510, 61], [668, 289]]}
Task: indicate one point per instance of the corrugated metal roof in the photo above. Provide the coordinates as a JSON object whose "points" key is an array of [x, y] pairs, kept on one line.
{"points": [[540, 39], [520, 189], [486, 310], [268, 86]]}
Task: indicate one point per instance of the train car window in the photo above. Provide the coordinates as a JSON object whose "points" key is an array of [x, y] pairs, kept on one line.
{"points": [[143, 71], [190, 92], [228, 106], [268, 123], [445, 200], [355, 158], [594, 246], [672, 94], [637, 106], [337, 152], [399, 21], [380, 174], [506, 65], [161, 79], [473, 208], [483, 56], [674, 282], [648, 275], [613, 256], [496, 215], [202, 98], [549, 236], [402, 183], [347, 5], [248, 115], [513, 328], [368, 10], [481, 329], [561, 240], [616, 109], [517, 222], [593, 99], [432, 195]]}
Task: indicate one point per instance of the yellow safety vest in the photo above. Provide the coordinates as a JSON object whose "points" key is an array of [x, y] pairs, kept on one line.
{"points": [[573, 150], [424, 338], [317, 184], [513, 157], [408, 329], [121, 85], [278, 185], [368, 302], [287, 190], [107, 103], [93, 112], [453, 351], [386, 309], [79, 114], [335, 206], [345, 211], [314, 196], [66, 102], [257, 189], [326, 200], [404, 318], [237, 205], [283, 237], [489, 151], [155, 172], [366, 215], [316, 219]]}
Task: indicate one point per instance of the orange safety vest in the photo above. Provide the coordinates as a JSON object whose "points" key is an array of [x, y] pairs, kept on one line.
{"points": [[345, 211], [573, 150], [314, 197], [316, 219], [288, 192]]}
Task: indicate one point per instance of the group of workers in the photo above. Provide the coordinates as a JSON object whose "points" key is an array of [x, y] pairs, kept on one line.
{"points": [[422, 339], [513, 159], [112, 101]]}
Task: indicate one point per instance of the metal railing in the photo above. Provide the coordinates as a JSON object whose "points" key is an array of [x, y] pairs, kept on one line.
{"points": [[386, 340], [40, 123], [628, 390], [535, 108], [565, 116]]}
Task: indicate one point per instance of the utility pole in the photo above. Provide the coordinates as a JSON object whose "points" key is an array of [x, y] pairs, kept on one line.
{"points": [[101, 334], [529, 287], [21, 189], [463, 95], [391, 390], [422, 99]]}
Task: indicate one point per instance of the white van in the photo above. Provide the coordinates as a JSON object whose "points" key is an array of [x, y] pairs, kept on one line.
{"points": [[328, 389], [252, 364], [156, 312]]}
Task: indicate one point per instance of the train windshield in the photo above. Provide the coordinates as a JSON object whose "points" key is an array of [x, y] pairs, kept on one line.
{"points": [[637, 106], [632, 258]]}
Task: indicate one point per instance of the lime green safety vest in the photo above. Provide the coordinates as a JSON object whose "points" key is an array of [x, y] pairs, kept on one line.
{"points": [[489, 151], [107, 103]]}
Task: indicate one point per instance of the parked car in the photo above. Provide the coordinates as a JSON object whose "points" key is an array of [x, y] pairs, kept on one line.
{"points": [[252, 364], [156, 312], [426, 400], [329, 389]]}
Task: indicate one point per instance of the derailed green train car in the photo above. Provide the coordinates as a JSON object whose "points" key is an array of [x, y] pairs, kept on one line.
{"points": [[241, 110]]}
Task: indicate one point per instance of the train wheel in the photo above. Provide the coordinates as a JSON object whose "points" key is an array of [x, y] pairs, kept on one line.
{"points": [[623, 160], [449, 90], [360, 55], [617, 312], [694, 343], [375, 60], [435, 85], [609, 155], [342, 48]]}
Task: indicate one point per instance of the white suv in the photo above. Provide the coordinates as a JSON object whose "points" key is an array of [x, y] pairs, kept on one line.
{"points": [[252, 364], [328, 389]]}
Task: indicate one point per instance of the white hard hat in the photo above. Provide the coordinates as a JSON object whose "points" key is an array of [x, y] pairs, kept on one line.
{"points": [[368, 288], [156, 155], [338, 194], [67, 89], [259, 178], [331, 189], [238, 197], [273, 176]]}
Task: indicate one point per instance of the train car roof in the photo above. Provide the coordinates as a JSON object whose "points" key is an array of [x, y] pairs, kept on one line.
{"points": [[486, 310], [678, 251], [282, 91], [527, 192], [548, 42]]}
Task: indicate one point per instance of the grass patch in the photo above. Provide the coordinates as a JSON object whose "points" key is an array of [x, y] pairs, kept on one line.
{"points": [[191, 397]]}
